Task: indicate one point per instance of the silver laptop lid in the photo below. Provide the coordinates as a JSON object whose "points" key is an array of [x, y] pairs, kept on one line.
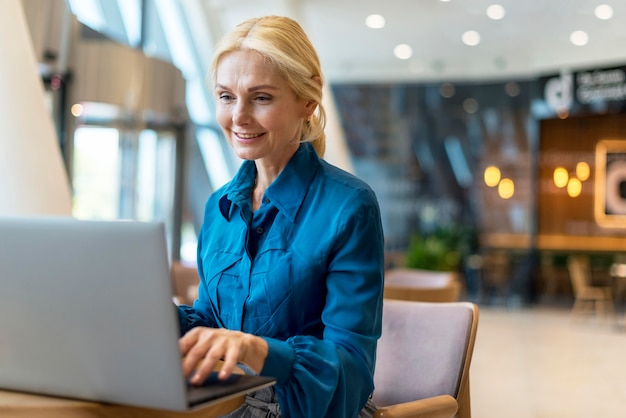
{"points": [[86, 311]]}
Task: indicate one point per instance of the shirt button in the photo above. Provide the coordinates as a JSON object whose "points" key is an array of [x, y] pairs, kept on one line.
{"points": [[259, 230]]}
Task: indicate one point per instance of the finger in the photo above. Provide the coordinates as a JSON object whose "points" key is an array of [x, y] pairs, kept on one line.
{"points": [[187, 341], [204, 367], [190, 363], [231, 357], [229, 364], [193, 354]]}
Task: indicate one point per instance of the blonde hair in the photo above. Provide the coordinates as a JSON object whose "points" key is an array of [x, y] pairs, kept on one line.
{"points": [[284, 43]]}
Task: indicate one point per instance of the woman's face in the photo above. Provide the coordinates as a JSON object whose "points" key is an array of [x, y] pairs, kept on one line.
{"points": [[257, 110]]}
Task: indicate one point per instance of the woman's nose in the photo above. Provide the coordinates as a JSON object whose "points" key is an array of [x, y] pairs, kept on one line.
{"points": [[241, 113]]}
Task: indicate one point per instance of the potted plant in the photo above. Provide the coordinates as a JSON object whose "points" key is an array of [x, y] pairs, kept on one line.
{"points": [[441, 250]]}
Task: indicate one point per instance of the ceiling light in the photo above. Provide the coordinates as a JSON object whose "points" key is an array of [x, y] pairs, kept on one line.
{"points": [[603, 11], [77, 110], [471, 38], [582, 171], [560, 176], [506, 188], [579, 38], [492, 176], [446, 90], [470, 105], [574, 187], [495, 12], [403, 51], [512, 88], [375, 21]]}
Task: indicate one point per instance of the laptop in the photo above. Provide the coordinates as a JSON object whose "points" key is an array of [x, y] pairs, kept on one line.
{"points": [[86, 312]]}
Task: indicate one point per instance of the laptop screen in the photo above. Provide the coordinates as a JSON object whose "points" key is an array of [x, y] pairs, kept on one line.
{"points": [[86, 311]]}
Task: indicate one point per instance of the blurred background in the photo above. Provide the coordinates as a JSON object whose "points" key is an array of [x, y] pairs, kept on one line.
{"points": [[494, 135]]}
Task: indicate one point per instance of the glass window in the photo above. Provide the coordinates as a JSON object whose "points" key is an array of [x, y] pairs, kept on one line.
{"points": [[96, 166], [89, 13], [121, 174]]}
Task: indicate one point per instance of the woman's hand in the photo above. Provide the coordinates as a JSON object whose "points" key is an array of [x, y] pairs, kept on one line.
{"points": [[203, 348]]}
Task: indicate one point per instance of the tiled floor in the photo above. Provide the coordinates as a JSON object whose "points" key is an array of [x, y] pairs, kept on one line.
{"points": [[539, 362]]}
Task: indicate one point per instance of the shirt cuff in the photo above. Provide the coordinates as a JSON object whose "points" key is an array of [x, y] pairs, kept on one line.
{"points": [[279, 361]]}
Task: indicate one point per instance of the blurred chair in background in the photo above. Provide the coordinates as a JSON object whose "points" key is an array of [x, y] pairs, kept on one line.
{"points": [[617, 271], [423, 359], [185, 282], [587, 297], [422, 285], [496, 271], [554, 277]]}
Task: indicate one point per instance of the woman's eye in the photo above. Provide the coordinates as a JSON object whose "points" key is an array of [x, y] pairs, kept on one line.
{"points": [[226, 97], [263, 99]]}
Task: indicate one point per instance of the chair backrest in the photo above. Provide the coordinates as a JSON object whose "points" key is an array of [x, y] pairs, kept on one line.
{"points": [[425, 350], [579, 272], [496, 265], [185, 280], [422, 285]]}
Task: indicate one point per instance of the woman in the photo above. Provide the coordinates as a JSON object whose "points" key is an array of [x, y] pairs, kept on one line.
{"points": [[290, 254]]}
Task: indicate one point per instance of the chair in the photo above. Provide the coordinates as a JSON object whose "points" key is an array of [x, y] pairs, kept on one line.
{"points": [[496, 266], [552, 277], [587, 297], [185, 282], [422, 285], [423, 359]]}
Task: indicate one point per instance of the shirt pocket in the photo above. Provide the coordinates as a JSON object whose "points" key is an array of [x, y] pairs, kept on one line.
{"points": [[223, 287], [269, 306]]}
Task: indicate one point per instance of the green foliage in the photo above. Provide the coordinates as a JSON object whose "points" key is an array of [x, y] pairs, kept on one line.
{"points": [[442, 250]]}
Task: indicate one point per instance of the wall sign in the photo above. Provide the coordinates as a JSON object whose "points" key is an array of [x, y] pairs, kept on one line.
{"points": [[569, 90], [610, 187]]}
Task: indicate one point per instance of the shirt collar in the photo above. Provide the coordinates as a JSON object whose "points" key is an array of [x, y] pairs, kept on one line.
{"points": [[239, 189], [288, 190]]}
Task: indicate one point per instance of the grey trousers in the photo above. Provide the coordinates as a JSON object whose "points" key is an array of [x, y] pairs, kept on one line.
{"points": [[263, 404]]}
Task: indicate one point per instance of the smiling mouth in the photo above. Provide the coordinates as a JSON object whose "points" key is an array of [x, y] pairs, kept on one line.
{"points": [[247, 136]]}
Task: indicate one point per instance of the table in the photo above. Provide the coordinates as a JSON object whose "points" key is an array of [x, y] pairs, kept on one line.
{"points": [[23, 405]]}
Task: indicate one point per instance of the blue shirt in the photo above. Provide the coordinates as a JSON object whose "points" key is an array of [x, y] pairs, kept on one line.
{"points": [[305, 272]]}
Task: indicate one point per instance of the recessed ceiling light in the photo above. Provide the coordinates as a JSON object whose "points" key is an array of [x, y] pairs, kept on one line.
{"points": [[403, 51], [375, 21], [495, 12], [603, 11], [471, 38], [512, 88], [579, 38], [447, 90], [470, 105]]}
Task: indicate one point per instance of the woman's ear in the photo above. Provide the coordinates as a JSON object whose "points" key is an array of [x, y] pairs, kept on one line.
{"points": [[317, 79], [310, 107]]}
